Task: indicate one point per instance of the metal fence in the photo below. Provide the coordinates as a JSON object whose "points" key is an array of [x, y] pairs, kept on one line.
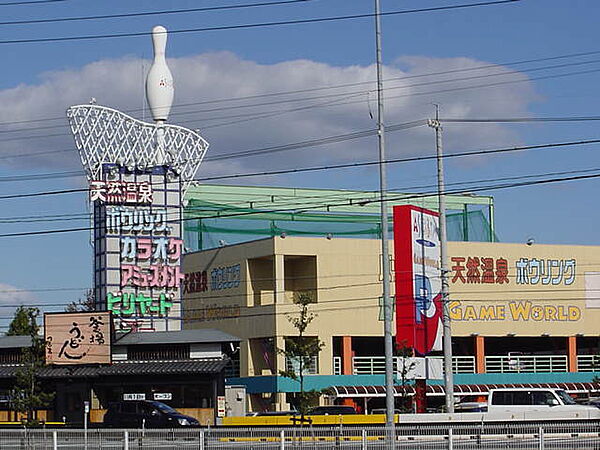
{"points": [[505, 435], [370, 365], [526, 363]]}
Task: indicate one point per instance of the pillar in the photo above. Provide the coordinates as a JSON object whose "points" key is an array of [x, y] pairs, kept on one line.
{"points": [[347, 355], [479, 354], [420, 396], [572, 353], [279, 357], [279, 276]]}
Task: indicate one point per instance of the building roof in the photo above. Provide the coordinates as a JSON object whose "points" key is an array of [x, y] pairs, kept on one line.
{"points": [[204, 336], [459, 389], [176, 337], [187, 367], [15, 341]]}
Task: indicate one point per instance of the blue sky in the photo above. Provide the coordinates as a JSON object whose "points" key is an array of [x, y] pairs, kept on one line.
{"points": [[40, 80]]}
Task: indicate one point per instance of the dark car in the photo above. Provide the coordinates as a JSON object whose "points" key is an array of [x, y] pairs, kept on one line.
{"points": [[149, 414], [332, 410]]}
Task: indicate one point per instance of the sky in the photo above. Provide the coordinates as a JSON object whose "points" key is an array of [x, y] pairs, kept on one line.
{"points": [[522, 59]]}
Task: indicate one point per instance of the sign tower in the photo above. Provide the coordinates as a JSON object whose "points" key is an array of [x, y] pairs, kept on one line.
{"points": [[138, 173]]}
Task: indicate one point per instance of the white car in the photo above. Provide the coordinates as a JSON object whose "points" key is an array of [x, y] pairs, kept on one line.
{"points": [[538, 402]]}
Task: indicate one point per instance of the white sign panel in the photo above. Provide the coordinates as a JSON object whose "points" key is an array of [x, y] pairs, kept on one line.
{"points": [[163, 396], [134, 396]]}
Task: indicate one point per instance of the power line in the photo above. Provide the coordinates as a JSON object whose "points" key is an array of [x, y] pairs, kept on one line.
{"points": [[366, 201], [148, 13], [30, 2], [427, 74], [259, 116], [254, 25], [346, 95], [338, 166], [403, 160]]}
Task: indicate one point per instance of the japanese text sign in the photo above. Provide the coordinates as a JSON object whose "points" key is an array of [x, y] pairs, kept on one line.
{"points": [[121, 192], [77, 338]]}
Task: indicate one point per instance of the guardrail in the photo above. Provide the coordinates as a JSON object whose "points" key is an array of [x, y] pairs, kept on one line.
{"points": [[588, 363], [526, 364], [337, 365], [506, 435], [370, 365]]}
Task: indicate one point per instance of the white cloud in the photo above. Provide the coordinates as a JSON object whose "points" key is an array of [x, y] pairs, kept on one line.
{"points": [[11, 295], [212, 76], [10, 298]]}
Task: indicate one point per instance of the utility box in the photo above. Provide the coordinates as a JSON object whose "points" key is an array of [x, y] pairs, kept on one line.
{"points": [[235, 401]]}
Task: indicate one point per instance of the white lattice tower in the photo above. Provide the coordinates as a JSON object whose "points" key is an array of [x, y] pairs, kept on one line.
{"points": [[104, 135]]}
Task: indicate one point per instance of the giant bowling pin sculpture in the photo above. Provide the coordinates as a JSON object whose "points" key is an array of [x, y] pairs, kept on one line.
{"points": [[159, 89]]}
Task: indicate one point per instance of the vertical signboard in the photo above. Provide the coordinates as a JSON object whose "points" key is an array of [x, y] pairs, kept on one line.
{"points": [[138, 247], [77, 338], [418, 282]]}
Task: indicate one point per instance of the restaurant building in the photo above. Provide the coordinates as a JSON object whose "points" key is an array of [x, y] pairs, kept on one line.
{"points": [[184, 369]]}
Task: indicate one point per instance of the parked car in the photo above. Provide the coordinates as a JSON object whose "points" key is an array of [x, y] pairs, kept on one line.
{"points": [[471, 403], [384, 411], [331, 410], [594, 402], [292, 412], [150, 414], [540, 401]]}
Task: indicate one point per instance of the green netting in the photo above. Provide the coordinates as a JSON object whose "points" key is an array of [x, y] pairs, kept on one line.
{"points": [[212, 232]]}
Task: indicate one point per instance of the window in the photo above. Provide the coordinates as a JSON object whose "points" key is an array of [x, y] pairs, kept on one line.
{"points": [[170, 352], [544, 398], [146, 409], [566, 398], [128, 407], [511, 398], [521, 398]]}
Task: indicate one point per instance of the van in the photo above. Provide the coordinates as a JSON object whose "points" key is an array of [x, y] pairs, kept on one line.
{"points": [[542, 400]]}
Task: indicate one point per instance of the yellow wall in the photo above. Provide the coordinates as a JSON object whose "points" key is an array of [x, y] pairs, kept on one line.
{"points": [[349, 286], [528, 304]]}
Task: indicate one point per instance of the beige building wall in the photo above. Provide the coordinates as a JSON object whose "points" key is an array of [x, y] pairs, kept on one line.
{"points": [[495, 288]]}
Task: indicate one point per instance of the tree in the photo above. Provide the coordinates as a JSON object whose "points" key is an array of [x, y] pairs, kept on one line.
{"points": [[405, 369], [83, 304], [301, 350], [24, 322], [27, 395]]}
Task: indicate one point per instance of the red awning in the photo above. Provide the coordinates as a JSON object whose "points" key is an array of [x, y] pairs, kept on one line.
{"points": [[459, 389]]}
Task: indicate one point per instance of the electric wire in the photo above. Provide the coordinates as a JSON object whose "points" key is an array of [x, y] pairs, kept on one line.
{"points": [[345, 95], [254, 25], [30, 2], [386, 80], [366, 201], [148, 13], [368, 163]]}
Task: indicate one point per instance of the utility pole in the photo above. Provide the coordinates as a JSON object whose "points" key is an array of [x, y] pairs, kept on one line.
{"points": [[448, 376], [385, 260]]}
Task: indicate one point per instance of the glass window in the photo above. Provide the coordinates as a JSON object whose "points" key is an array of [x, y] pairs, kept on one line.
{"points": [[161, 406], [511, 398], [521, 398], [146, 408], [498, 398], [543, 398], [566, 398], [128, 407]]}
